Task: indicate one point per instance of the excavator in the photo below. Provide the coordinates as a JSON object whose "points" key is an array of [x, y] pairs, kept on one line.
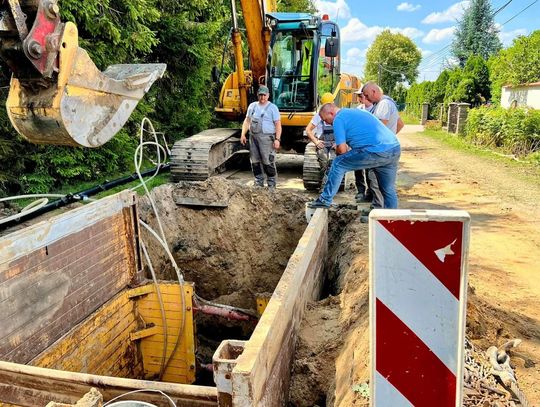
{"points": [[57, 95], [296, 55]]}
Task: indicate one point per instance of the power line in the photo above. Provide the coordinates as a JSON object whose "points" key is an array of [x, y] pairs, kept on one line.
{"points": [[502, 8], [515, 15]]}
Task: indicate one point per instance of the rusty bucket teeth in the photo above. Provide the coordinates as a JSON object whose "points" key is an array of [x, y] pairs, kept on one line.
{"points": [[85, 107]]}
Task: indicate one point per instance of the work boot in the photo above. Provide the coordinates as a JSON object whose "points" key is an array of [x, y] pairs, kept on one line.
{"points": [[360, 197], [317, 204], [365, 211]]}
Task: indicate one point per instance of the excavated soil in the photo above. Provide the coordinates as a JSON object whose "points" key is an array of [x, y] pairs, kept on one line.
{"points": [[231, 253], [237, 252]]}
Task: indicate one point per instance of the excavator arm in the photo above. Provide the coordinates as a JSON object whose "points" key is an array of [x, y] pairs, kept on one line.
{"points": [[57, 95]]}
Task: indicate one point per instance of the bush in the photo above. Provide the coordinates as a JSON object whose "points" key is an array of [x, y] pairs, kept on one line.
{"points": [[515, 131]]}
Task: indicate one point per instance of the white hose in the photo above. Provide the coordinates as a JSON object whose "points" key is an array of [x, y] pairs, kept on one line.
{"points": [[161, 308], [138, 159], [141, 391]]}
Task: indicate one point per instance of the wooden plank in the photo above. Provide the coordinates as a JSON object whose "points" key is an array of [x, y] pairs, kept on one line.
{"points": [[262, 372], [37, 236], [52, 284], [32, 386], [115, 311], [67, 280], [92, 297], [144, 333]]}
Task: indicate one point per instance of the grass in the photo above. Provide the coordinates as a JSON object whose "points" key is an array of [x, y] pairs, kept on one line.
{"points": [[408, 118], [160, 179], [528, 168]]}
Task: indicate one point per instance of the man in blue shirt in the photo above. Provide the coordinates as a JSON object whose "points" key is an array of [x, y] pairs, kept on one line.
{"points": [[362, 141]]}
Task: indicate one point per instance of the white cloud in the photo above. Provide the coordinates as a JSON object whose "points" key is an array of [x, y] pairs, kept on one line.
{"points": [[410, 32], [356, 53], [354, 61], [334, 9], [436, 35], [407, 7], [426, 52], [452, 13], [506, 37], [355, 30]]}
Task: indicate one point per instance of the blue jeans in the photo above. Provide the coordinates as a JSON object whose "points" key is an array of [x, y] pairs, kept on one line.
{"points": [[384, 164]]}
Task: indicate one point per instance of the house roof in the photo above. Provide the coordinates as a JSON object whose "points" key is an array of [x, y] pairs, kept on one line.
{"points": [[525, 85]]}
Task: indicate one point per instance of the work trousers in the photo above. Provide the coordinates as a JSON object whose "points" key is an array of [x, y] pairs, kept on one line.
{"points": [[384, 164], [368, 185], [325, 156], [263, 158]]}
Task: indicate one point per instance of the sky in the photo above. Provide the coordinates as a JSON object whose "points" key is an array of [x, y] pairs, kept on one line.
{"points": [[430, 24]]}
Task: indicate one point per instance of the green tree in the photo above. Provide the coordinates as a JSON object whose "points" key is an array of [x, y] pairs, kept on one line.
{"points": [[393, 57], [438, 89], [518, 64], [191, 36], [306, 6], [476, 69], [454, 78], [476, 33]]}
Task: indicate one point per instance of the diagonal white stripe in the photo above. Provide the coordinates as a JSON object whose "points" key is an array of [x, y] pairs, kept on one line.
{"points": [[387, 395], [416, 296]]}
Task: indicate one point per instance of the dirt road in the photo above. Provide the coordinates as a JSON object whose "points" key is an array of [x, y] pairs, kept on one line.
{"points": [[504, 258]]}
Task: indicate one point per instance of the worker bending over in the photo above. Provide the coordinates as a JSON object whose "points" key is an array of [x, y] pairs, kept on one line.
{"points": [[372, 145]]}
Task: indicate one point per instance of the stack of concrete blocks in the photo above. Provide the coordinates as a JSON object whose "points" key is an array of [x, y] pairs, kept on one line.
{"points": [[425, 112], [457, 117]]}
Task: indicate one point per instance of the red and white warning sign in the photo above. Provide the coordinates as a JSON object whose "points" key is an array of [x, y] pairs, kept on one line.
{"points": [[418, 263]]}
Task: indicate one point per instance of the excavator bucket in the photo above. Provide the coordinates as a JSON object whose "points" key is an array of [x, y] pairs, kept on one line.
{"points": [[85, 107]]}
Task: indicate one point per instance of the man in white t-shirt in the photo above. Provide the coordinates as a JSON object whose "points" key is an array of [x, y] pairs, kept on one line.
{"points": [[321, 134], [385, 109], [364, 179], [264, 125]]}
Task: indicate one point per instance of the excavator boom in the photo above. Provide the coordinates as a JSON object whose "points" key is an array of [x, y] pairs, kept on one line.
{"points": [[57, 95]]}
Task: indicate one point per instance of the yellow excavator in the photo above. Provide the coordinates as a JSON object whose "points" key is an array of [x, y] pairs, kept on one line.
{"points": [[57, 94], [296, 55]]}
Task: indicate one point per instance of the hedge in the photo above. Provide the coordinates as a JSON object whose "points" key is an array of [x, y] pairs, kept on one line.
{"points": [[514, 131]]}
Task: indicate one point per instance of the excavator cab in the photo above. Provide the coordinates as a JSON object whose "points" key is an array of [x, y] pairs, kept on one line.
{"points": [[304, 62], [57, 94]]}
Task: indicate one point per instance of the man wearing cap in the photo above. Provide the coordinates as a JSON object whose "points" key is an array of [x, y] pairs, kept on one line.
{"points": [[264, 125], [321, 134], [372, 145]]}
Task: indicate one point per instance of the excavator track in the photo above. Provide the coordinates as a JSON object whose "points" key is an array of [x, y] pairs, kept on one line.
{"points": [[198, 157], [311, 172]]}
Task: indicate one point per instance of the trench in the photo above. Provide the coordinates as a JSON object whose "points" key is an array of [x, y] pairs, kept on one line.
{"points": [[234, 255]]}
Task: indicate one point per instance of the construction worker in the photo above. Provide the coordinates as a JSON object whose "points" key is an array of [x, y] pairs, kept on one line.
{"points": [[372, 145], [385, 109], [365, 178], [264, 125], [321, 134]]}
